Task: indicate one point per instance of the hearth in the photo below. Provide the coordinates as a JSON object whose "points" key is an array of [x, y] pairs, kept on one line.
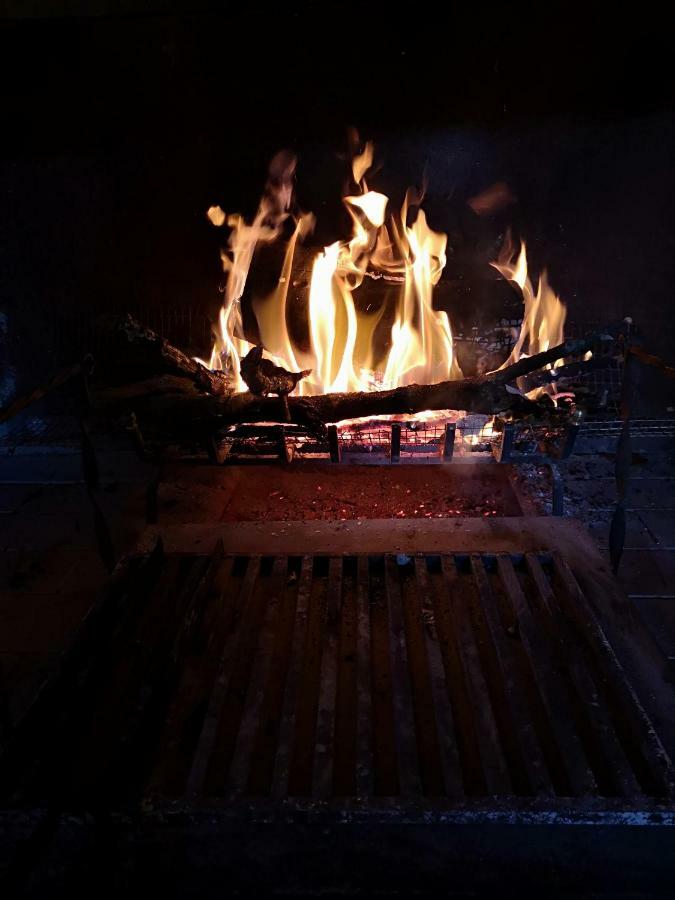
{"points": [[337, 478]]}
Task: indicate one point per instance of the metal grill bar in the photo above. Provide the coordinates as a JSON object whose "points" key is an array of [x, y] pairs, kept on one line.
{"points": [[529, 750], [459, 594], [382, 442], [442, 708], [241, 762], [570, 753], [287, 728], [580, 611], [404, 725], [325, 729], [216, 704], [596, 716], [364, 706]]}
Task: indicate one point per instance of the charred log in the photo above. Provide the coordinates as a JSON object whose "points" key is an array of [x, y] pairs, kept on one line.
{"points": [[263, 377], [210, 402], [148, 354]]}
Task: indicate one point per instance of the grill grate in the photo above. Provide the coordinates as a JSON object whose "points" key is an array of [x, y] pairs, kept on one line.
{"points": [[639, 428], [464, 438], [605, 380], [452, 676], [425, 678]]}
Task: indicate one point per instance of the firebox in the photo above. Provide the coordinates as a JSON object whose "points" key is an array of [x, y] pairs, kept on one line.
{"points": [[337, 434]]}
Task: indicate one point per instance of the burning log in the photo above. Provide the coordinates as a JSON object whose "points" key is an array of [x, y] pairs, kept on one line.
{"points": [[145, 349], [487, 394], [263, 377], [165, 406], [197, 412]]}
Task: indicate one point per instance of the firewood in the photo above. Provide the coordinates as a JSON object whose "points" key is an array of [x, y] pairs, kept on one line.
{"points": [[142, 347], [263, 377], [220, 405]]}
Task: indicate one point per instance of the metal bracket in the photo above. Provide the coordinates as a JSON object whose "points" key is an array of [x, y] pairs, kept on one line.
{"points": [[333, 443], [504, 450], [449, 442], [557, 490]]}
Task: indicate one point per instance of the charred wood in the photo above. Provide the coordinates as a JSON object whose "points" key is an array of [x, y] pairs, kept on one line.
{"points": [[148, 353], [214, 403]]}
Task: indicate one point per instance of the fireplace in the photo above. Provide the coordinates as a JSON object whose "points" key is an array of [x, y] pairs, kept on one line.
{"points": [[336, 467]]}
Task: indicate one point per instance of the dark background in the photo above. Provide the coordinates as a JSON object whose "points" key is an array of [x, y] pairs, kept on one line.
{"points": [[123, 122]]}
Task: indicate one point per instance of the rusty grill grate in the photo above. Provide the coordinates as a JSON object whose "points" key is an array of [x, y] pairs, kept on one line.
{"points": [[465, 438], [423, 678], [450, 676]]}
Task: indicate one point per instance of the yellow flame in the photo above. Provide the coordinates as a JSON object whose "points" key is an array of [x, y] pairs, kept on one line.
{"points": [[362, 162], [342, 341], [373, 205], [421, 349], [486, 433], [216, 216], [230, 345], [270, 312], [544, 314], [349, 349]]}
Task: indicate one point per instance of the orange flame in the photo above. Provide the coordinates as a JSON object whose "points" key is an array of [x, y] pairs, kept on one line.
{"points": [[544, 315], [230, 344], [341, 353]]}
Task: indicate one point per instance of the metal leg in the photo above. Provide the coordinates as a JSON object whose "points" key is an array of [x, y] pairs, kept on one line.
{"points": [[216, 451], [449, 443], [503, 452], [333, 443], [557, 490], [395, 452], [284, 449], [568, 441]]}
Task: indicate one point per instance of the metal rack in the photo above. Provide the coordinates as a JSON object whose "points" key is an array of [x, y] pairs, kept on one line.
{"points": [[382, 443]]}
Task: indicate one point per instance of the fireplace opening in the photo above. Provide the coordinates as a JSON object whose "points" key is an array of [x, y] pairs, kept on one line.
{"points": [[337, 463]]}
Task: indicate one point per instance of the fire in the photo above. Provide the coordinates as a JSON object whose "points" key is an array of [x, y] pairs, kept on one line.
{"points": [[423, 353], [544, 314], [342, 351], [346, 348], [486, 433], [230, 344]]}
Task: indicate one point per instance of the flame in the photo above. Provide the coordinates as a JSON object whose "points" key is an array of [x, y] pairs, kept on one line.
{"points": [[421, 345], [346, 348], [544, 315], [343, 342], [230, 344], [485, 435], [216, 216]]}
